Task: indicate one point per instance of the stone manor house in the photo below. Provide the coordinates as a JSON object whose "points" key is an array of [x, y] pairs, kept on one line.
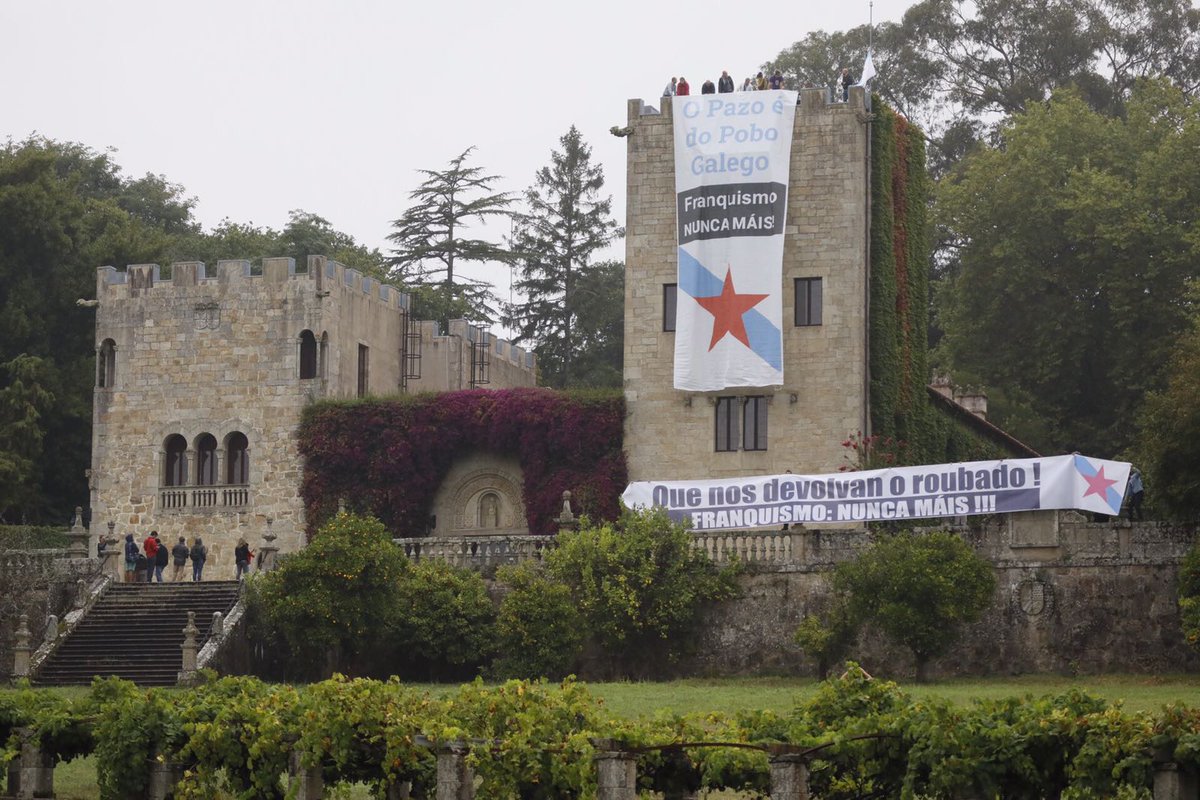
{"points": [[201, 378]]}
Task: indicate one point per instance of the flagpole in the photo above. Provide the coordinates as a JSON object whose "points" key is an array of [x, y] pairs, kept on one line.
{"points": [[870, 25]]}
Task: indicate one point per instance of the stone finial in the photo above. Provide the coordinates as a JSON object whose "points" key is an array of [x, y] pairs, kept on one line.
{"points": [[78, 548], [218, 624], [189, 648], [21, 648], [51, 632], [81, 593], [268, 553], [341, 505], [567, 518]]}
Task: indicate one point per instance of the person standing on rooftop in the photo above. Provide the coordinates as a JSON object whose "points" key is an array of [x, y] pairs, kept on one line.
{"points": [[725, 83]]}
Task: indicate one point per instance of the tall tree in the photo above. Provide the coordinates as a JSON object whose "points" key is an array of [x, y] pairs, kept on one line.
{"points": [[567, 222], [431, 245], [1074, 240]]}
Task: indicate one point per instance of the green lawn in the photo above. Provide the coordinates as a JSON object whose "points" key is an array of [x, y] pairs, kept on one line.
{"points": [[77, 780]]}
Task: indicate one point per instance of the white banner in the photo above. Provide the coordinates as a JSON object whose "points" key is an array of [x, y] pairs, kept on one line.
{"points": [[936, 490], [732, 159]]}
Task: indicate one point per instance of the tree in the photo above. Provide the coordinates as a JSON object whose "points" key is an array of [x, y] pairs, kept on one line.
{"points": [[918, 589], [566, 223], [540, 632], [23, 401], [1073, 244], [430, 244], [1168, 441], [639, 584]]}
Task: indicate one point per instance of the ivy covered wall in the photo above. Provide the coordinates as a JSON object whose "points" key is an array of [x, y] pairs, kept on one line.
{"points": [[901, 405], [387, 457]]}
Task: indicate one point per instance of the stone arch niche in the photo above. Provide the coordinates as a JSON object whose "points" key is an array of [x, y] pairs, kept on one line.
{"points": [[480, 496]]}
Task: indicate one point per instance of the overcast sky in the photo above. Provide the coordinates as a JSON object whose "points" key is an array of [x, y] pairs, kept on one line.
{"points": [[261, 107]]}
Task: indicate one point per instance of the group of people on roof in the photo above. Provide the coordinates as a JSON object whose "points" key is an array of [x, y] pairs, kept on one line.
{"points": [[760, 82]]}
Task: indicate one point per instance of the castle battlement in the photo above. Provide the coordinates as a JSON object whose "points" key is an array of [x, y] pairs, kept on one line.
{"points": [[810, 103], [321, 273]]}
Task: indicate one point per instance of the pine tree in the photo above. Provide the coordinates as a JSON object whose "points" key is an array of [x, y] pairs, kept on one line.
{"points": [[566, 223], [430, 242]]}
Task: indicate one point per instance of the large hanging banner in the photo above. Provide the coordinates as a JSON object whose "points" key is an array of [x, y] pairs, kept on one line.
{"points": [[732, 154], [937, 490]]}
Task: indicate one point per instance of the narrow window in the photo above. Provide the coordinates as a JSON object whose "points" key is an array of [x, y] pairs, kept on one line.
{"points": [[808, 301], [237, 459], [726, 424], [308, 355], [363, 354], [754, 423], [175, 471], [106, 376], [206, 460], [670, 294]]}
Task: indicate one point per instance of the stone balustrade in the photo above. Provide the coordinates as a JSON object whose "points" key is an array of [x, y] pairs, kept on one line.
{"points": [[747, 547], [32, 561], [477, 552]]}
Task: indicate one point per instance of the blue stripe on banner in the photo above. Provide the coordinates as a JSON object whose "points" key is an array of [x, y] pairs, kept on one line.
{"points": [[695, 279], [764, 338]]}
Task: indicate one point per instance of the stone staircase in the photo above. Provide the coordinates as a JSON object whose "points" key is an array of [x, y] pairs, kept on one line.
{"points": [[135, 631]]}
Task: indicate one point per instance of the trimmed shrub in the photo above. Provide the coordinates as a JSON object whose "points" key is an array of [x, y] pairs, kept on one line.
{"points": [[539, 630]]}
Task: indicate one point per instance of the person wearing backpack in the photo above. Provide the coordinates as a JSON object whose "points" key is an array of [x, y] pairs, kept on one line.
{"points": [[179, 557], [242, 557], [150, 548], [199, 556]]}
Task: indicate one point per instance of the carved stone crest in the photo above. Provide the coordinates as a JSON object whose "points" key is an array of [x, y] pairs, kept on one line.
{"points": [[1033, 597], [207, 316]]}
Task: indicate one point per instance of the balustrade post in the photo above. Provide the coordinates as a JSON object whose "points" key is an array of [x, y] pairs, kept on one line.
{"points": [[1173, 781], [455, 778], [566, 520], [616, 771], [268, 552], [309, 783], [78, 536], [113, 558], [789, 777], [189, 648], [21, 648]]}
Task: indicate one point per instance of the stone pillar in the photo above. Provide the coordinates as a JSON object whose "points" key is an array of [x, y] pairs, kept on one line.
{"points": [[189, 648], [21, 648], [33, 774], [566, 520], [616, 771], [455, 779], [218, 625], [51, 633], [268, 551], [789, 777], [164, 775], [78, 548], [309, 783], [113, 561], [398, 791], [1175, 782]]}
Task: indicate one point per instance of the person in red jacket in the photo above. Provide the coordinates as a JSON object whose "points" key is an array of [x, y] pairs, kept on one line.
{"points": [[150, 546], [682, 89]]}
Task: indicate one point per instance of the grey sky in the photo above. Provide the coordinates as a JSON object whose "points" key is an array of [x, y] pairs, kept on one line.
{"points": [[262, 107]]}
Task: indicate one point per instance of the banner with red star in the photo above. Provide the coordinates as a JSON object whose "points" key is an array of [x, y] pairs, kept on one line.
{"points": [[900, 493], [732, 164]]}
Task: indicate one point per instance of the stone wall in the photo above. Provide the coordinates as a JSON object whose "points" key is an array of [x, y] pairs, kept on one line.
{"points": [[670, 434], [38, 583], [1087, 598]]}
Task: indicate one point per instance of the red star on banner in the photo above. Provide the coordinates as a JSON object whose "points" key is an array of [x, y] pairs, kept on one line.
{"points": [[727, 309], [1098, 484]]}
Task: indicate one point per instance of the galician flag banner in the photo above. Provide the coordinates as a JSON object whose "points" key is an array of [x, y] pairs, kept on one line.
{"points": [[732, 153], [936, 490]]}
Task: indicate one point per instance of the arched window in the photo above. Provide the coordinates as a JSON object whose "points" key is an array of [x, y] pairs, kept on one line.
{"points": [[106, 366], [206, 460], [308, 355], [489, 510], [175, 468], [237, 459]]}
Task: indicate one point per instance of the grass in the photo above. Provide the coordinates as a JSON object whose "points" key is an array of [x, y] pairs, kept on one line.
{"points": [[77, 780]]}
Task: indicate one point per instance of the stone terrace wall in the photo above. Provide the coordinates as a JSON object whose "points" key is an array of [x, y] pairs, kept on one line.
{"points": [[1088, 598]]}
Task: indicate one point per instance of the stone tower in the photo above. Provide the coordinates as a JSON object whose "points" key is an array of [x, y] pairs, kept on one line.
{"points": [[201, 381], [798, 426]]}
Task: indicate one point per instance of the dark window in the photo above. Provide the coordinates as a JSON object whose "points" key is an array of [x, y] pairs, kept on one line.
{"points": [[727, 424], [754, 423], [670, 293], [206, 460], [175, 471], [323, 366], [106, 376], [237, 459], [363, 353], [308, 355], [808, 301]]}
